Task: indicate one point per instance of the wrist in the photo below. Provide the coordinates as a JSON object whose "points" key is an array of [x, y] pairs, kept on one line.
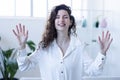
{"points": [[22, 46], [104, 53]]}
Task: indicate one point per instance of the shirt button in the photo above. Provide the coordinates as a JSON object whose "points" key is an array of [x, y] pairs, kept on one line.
{"points": [[102, 58], [62, 72], [61, 61]]}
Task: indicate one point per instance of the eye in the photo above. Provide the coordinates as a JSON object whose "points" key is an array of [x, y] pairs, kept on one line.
{"points": [[66, 17], [57, 17]]}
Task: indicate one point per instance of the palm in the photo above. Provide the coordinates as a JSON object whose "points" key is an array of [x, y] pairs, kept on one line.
{"points": [[21, 34], [105, 42]]}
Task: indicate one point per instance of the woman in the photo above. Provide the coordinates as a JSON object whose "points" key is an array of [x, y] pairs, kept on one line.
{"points": [[60, 54]]}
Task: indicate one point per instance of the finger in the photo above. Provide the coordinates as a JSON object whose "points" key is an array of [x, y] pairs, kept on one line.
{"points": [[24, 29], [20, 27], [14, 32], [103, 36], [17, 29], [27, 33], [107, 36], [109, 44], [100, 42], [99, 39]]}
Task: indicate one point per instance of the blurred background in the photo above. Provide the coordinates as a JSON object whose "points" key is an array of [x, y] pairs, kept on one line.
{"points": [[92, 17]]}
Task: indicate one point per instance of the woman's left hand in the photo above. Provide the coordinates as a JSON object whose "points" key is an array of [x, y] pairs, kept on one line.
{"points": [[105, 42]]}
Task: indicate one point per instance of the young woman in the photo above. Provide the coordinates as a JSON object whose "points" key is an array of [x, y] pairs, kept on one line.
{"points": [[60, 54]]}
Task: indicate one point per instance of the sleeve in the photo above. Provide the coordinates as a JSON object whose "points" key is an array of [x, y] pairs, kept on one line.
{"points": [[93, 67], [26, 62]]}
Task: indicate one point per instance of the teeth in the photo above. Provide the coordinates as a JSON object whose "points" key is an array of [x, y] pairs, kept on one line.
{"points": [[61, 24]]}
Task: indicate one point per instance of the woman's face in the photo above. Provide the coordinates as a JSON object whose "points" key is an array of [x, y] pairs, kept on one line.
{"points": [[62, 21]]}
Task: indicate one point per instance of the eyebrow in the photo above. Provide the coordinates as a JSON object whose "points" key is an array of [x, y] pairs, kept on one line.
{"points": [[63, 15]]}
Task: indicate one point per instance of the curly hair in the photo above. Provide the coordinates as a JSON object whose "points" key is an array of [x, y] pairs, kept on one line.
{"points": [[50, 32]]}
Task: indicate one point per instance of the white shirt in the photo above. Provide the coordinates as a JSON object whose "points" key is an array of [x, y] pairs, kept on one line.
{"points": [[53, 66]]}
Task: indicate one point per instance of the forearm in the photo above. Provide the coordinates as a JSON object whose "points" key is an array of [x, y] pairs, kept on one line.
{"points": [[96, 66], [26, 62], [22, 59]]}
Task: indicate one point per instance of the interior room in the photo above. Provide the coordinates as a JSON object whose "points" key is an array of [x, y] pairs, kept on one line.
{"points": [[92, 17]]}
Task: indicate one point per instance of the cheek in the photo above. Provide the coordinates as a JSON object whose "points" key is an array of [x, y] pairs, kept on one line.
{"points": [[69, 23]]}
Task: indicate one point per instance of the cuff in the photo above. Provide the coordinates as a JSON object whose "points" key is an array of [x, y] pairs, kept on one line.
{"points": [[22, 52], [101, 56], [100, 60]]}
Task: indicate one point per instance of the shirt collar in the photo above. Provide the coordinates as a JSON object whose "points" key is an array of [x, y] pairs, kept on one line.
{"points": [[74, 42]]}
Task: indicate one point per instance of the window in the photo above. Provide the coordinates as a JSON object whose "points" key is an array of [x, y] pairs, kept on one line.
{"points": [[23, 8], [52, 3], [38, 8], [7, 7]]}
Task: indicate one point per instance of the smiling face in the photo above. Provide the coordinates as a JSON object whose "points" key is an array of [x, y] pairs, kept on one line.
{"points": [[62, 21]]}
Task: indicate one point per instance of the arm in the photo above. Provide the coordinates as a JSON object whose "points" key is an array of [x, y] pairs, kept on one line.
{"points": [[95, 67], [24, 62], [22, 36], [27, 62]]}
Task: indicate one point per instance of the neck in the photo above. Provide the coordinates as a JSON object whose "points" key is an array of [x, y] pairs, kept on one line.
{"points": [[62, 38]]}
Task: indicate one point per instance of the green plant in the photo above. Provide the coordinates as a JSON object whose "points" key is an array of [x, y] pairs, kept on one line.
{"points": [[8, 62]]}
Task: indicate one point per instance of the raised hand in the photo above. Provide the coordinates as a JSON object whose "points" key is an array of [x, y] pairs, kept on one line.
{"points": [[105, 42], [21, 34]]}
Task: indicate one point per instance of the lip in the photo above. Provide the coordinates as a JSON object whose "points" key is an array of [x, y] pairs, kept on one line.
{"points": [[62, 25]]}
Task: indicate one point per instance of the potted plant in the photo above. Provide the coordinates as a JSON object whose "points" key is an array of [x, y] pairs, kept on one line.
{"points": [[8, 62]]}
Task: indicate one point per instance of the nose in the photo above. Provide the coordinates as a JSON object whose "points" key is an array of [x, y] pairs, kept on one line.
{"points": [[61, 19]]}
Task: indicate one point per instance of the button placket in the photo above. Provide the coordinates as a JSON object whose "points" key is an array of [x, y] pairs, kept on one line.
{"points": [[61, 62], [62, 76]]}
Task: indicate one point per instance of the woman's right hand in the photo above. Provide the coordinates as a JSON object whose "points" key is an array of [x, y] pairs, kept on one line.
{"points": [[21, 34]]}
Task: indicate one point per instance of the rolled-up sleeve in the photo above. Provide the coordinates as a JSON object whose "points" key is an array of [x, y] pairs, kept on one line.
{"points": [[94, 67], [26, 62]]}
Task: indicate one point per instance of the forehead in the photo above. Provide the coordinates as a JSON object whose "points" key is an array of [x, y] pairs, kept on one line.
{"points": [[62, 12]]}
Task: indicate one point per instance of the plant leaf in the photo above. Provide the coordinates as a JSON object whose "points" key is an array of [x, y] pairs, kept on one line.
{"points": [[31, 45]]}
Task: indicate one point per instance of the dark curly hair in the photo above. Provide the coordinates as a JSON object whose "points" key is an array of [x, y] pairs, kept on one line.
{"points": [[50, 32]]}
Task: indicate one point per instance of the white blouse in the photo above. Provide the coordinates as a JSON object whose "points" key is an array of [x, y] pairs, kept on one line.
{"points": [[53, 66]]}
